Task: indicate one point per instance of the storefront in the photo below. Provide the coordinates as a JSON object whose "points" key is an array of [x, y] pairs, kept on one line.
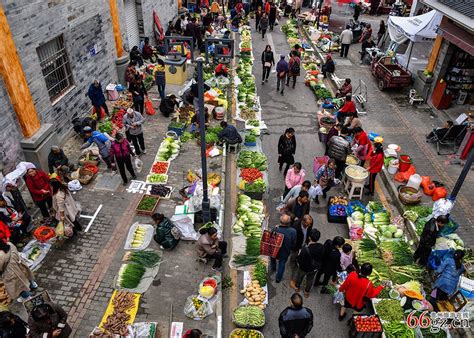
{"points": [[454, 71], [451, 64]]}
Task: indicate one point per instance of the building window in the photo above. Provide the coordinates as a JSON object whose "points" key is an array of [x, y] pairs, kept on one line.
{"points": [[55, 67]]}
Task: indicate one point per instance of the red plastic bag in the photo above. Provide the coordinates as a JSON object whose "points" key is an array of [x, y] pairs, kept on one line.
{"points": [[149, 108], [425, 181], [404, 176], [438, 193], [102, 112], [429, 189]]}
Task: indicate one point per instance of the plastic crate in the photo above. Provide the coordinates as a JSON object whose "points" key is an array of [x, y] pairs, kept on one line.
{"points": [[353, 333], [178, 131]]}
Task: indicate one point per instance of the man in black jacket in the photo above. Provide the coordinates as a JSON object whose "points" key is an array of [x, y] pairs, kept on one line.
{"points": [[295, 320], [310, 259], [428, 238], [303, 228]]}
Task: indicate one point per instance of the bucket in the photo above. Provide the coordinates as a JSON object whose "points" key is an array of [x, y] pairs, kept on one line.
{"points": [[405, 163], [393, 167], [219, 113], [414, 181]]}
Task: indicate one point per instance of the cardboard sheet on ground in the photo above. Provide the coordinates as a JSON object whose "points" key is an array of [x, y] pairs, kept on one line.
{"points": [[248, 279], [145, 282], [27, 250], [110, 309], [238, 248], [147, 238]]}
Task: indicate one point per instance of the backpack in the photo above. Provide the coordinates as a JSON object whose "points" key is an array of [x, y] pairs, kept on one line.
{"points": [[295, 67], [300, 258]]}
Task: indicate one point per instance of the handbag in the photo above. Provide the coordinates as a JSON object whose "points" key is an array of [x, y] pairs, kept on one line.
{"points": [[271, 243], [267, 64]]}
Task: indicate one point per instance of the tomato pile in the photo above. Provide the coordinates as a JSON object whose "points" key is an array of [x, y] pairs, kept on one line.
{"points": [[367, 324], [250, 174], [159, 167]]}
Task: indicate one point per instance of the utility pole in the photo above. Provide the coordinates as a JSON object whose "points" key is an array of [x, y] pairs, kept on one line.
{"points": [[462, 176], [206, 205]]}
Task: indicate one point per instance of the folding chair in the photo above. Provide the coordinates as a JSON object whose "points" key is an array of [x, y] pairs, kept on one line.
{"points": [[450, 138]]}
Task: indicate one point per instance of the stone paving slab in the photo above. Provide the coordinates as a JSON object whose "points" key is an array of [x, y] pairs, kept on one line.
{"points": [[79, 274]]}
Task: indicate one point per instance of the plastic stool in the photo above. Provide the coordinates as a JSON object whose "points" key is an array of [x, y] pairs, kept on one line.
{"points": [[233, 147], [351, 189]]}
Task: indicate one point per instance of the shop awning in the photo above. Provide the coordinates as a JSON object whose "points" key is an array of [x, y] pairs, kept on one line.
{"points": [[457, 36], [414, 28]]}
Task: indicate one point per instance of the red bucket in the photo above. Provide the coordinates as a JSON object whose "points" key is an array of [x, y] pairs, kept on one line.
{"points": [[405, 163]]}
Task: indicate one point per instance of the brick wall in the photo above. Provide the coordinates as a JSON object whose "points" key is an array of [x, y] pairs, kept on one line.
{"points": [[10, 151], [167, 10], [84, 24]]}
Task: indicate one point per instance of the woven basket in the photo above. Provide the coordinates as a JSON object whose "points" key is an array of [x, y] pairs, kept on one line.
{"points": [[408, 201], [85, 176]]}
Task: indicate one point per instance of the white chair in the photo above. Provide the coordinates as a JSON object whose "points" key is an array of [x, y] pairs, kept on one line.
{"points": [[355, 190]]}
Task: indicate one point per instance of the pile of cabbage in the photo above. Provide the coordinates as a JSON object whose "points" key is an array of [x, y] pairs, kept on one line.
{"points": [[168, 149], [376, 223], [250, 215]]}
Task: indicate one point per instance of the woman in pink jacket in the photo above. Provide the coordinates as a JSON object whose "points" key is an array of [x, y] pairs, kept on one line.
{"points": [[294, 176]]}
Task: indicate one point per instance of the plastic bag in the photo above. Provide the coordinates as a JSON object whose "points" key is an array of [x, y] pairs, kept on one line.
{"points": [[60, 229], [149, 108], [138, 164], [197, 308], [338, 298], [439, 193], [442, 207], [425, 181], [186, 226], [102, 112]]}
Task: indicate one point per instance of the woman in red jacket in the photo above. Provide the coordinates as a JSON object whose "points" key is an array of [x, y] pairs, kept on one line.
{"points": [[37, 182], [358, 288], [364, 148], [375, 166]]}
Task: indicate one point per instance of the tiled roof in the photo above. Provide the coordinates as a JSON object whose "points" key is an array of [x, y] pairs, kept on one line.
{"points": [[465, 7]]}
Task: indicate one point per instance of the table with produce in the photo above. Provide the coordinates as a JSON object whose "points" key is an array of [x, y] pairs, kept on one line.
{"points": [[381, 239]]}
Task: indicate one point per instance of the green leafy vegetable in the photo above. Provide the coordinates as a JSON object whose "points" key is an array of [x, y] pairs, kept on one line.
{"points": [[389, 310], [260, 273], [147, 258], [130, 275], [147, 203]]}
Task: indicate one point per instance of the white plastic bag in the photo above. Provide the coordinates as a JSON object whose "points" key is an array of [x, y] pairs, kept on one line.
{"points": [[138, 164], [186, 226], [441, 207]]}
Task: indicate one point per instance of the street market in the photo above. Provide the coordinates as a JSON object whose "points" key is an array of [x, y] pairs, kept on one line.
{"points": [[201, 194]]}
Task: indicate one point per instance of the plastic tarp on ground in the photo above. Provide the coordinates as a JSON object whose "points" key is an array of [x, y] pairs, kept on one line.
{"points": [[414, 28]]}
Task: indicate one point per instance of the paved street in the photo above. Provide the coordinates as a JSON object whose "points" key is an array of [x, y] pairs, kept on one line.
{"points": [[388, 114], [79, 274]]}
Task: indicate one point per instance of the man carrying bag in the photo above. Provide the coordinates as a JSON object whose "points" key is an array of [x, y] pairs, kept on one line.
{"points": [[309, 260]]}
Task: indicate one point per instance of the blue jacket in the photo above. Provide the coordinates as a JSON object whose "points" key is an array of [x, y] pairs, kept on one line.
{"points": [[96, 95], [102, 142], [282, 66], [449, 276], [289, 242]]}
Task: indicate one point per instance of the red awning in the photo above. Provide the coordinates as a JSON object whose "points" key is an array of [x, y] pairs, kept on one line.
{"points": [[458, 36]]}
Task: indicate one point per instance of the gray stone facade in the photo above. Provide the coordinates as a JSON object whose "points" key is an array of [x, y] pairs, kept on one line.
{"points": [[84, 24]]}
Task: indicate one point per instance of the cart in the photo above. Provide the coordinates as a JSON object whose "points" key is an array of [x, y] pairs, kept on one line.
{"points": [[318, 162], [389, 74]]}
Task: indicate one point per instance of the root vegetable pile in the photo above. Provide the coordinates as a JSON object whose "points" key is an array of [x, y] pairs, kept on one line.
{"points": [[117, 321]]}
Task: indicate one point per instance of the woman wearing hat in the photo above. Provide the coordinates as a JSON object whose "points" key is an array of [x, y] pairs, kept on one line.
{"points": [[375, 166]]}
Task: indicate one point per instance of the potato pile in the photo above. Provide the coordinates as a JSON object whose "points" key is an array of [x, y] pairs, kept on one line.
{"points": [[255, 294]]}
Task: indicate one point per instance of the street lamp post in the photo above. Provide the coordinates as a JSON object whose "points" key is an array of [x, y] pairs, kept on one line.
{"points": [[206, 205], [462, 176]]}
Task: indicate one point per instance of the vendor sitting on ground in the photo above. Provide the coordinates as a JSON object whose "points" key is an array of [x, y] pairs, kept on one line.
{"points": [[229, 134], [348, 109], [57, 160], [438, 133], [168, 105], [329, 66], [166, 234], [16, 221], [195, 121], [345, 89], [208, 246]]}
